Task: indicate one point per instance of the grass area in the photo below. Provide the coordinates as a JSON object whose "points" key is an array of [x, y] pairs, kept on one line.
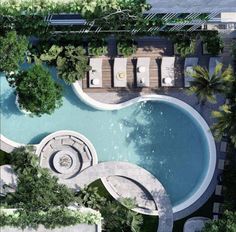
{"points": [[149, 222], [204, 211], [4, 158]]}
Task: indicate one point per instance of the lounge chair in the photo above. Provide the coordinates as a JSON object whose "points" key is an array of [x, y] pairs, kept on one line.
{"points": [[167, 71], [143, 64], [218, 190], [95, 74], [212, 64], [120, 73], [189, 63], [221, 164]]}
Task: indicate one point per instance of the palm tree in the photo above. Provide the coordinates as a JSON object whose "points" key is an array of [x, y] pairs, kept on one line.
{"points": [[206, 85], [226, 122]]}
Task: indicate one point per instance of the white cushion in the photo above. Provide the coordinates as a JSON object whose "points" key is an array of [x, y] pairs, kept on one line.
{"points": [[95, 81], [141, 69], [167, 80]]}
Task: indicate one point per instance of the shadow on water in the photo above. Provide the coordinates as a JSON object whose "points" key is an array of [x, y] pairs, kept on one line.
{"points": [[68, 92], [38, 138], [7, 103], [144, 135]]}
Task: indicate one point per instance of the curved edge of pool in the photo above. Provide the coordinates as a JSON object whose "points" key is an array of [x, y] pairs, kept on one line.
{"points": [[8, 145], [154, 97]]}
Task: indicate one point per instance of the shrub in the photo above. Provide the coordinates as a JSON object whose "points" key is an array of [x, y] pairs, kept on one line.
{"points": [[55, 217], [227, 223], [213, 43], [97, 48], [36, 188], [184, 44], [185, 48], [233, 50], [71, 62], [126, 47], [12, 51], [37, 92]]}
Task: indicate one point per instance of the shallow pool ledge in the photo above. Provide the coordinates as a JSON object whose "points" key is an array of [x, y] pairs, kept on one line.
{"points": [[155, 97]]}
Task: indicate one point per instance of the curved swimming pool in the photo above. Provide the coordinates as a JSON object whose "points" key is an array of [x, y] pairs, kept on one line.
{"points": [[159, 136]]}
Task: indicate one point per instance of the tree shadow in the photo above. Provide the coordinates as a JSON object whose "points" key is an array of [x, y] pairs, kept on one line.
{"points": [[38, 138], [8, 105]]}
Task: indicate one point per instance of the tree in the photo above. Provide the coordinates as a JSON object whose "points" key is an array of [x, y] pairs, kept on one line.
{"points": [[225, 122], [71, 62], [226, 224], [12, 51], [36, 90], [36, 189], [206, 85]]}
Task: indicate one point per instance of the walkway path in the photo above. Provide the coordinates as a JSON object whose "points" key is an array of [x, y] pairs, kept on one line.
{"points": [[143, 177]]}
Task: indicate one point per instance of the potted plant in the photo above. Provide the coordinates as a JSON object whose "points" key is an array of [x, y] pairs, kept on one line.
{"points": [[126, 47], [97, 47], [212, 44]]}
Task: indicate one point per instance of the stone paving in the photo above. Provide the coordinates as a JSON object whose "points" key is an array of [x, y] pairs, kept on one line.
{"points": [[65, 155], [136, 173]]}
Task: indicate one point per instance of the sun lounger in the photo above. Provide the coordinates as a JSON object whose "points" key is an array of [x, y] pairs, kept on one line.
{"points": [[213, 62], [221, 164], [167, 71], [218, 190], [189, 63], [143, 64], [120, 73], [216, 208], [95, 74]]}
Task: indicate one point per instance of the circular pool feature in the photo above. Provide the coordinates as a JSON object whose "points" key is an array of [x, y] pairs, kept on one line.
{"points": [[162, 134], [65, 161], [66, 153]]}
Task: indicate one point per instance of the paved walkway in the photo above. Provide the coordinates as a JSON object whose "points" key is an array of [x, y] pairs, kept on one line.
{"points": [[143, 177]]}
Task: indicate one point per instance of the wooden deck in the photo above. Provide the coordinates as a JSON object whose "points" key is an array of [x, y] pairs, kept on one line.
{"points": [[155, 48]]}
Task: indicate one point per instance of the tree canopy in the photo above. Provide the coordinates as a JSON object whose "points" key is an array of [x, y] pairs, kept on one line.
{"points": [[12, 51], [37, 92]]}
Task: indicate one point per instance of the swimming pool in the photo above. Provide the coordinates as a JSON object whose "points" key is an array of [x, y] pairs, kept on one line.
{"points": [[159, 136]]}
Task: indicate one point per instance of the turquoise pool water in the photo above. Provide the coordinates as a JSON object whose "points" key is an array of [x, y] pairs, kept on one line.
{"points": [[161, 137]]}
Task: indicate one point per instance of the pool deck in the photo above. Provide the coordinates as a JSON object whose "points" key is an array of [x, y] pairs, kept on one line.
{"points": [[154, 48]]}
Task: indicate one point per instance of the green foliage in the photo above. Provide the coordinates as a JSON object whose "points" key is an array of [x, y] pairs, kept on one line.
{"points": [[229, 179], [213, 42], [185, 48], [97, 48], [206, 86], [89, 197], [225, 122], [226, 224], [116, 216], [28, 25], [12, 51], [36, 189], [36, 90], [71, 62], [233, 50], [54, 217], [39, 198], [184, 44], [126, 47], [4, 158]]}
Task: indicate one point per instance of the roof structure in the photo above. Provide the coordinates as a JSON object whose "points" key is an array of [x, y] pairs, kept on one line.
{"points": [[191, 6]]}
